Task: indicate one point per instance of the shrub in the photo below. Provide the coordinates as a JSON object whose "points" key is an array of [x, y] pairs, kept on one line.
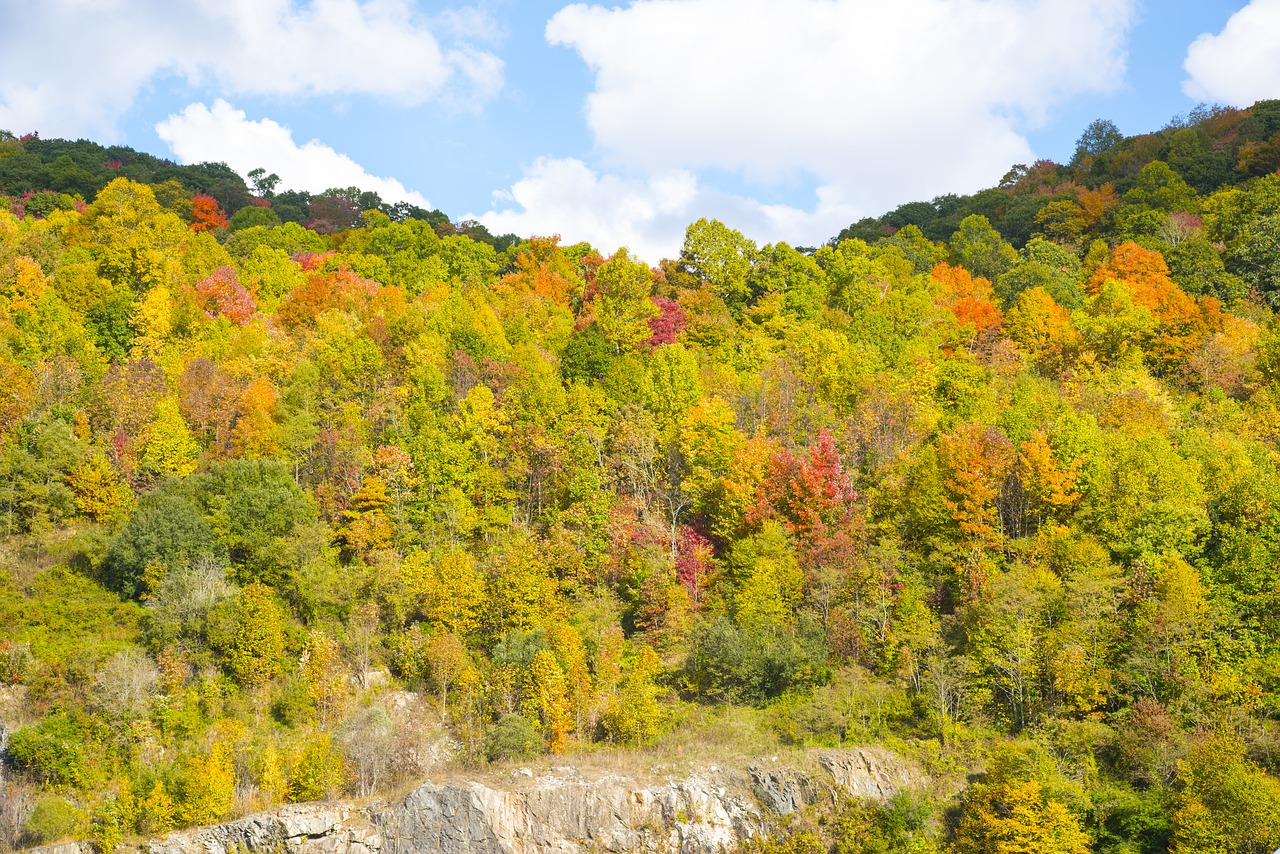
{"points": [[512, 738], [50, 751], [52, 818]]}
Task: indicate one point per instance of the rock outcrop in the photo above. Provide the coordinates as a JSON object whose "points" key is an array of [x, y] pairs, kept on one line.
{"points": [[873, 773], [298, 829], [567, 814], [558, 812]]}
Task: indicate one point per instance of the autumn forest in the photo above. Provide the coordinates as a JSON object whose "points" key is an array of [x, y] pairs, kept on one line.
{"points": [[307, 495]]}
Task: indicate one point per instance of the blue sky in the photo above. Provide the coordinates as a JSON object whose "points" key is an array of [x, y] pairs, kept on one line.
{"points": [[622, 124]]}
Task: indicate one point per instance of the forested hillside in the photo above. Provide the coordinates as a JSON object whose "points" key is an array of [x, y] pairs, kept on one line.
{"points": [[991, 480]]}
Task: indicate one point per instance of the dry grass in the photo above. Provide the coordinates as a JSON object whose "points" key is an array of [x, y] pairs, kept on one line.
{"points": [[700, 739]]}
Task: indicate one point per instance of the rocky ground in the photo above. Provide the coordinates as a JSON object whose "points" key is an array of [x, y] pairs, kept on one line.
{"points": [[558, 811]]}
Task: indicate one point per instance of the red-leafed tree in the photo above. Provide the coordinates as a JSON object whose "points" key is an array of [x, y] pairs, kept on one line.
{"points": [[815, 500], [221, 294], [695, 564], [812, 495], [206, 215], [667, 324], [968, 298], [311, 261]]}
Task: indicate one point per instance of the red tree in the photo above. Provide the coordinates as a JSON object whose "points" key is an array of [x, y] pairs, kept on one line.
{"points": [[222, 294], [206, 215]]}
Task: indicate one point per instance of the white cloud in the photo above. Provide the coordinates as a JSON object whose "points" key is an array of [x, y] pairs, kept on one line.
{"points": [[647, 215], [108, 50], [1241, 64], [335, 46], [224, 134], [879, 102]]}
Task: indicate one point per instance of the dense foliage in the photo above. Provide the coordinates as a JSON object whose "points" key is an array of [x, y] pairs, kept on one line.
{"points": [[993, 480]]}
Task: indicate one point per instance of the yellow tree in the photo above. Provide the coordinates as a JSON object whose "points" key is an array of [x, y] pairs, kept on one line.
{"points": [[327, 684], [545, 699], [632, 715], [271, 779], [153, 323], [449, 664], [367, 527], [451, 592], [523, 592], [135, 242], [571, 654], [208, 785], [99, 491], [1017, 818], [170, 448], [17, 393], [708, 442], [254, 435], [1050, 488], [1042, 328], [156, 812]]}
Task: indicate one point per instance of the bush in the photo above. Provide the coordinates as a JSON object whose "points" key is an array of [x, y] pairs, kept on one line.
{"points": [[512, 738], [166, 529], [52, 818], [50, 751], [730, 664], [318, 772]]}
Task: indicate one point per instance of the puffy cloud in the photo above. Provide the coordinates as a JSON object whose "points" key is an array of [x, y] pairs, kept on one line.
{"points": [[880, 102], [107, 50], [224, 134], [647, 215], [334, 46], [1241, 64]]}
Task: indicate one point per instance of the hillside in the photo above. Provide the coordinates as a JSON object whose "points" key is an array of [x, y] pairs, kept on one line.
{"points": [[991, 481]]}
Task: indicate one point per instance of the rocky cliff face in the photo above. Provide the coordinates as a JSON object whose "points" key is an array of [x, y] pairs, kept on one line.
{"points": [[567, 814], [559, 812]]}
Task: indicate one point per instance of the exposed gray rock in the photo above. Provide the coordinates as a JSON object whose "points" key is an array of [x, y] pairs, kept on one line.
{"points": [[65, 848], [569, 815], [870, 772], [556, 812], [301, 829], [780, 790]]}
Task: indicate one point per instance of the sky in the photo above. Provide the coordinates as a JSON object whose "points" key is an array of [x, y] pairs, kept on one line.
{"points": [[621, 125]]}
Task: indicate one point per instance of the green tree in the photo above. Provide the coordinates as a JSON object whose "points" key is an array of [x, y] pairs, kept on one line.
{"points": [[980, 249], [1256, 258], [621, 304], [1100, 136], [51, 751], [166, 530], [254, 507], [721, 257], [512, 738], [249, 635]]}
